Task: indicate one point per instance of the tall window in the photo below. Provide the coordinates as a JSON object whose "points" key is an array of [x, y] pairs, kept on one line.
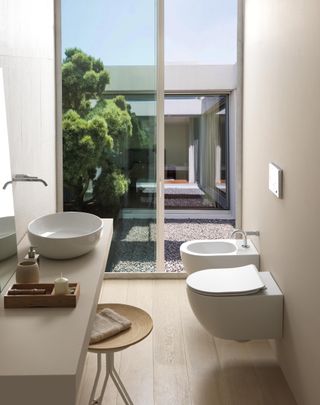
{"points": [[111, 151]]}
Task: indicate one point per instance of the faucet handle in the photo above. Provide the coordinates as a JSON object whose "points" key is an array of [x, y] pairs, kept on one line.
{"points": [[18, 177]]}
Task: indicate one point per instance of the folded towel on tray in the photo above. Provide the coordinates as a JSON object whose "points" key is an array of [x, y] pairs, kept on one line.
{"points": [[108, 323]]}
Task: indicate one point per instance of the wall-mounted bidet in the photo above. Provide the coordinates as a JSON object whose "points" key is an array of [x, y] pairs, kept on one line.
{"points": [[237, 303], [218, 253]]}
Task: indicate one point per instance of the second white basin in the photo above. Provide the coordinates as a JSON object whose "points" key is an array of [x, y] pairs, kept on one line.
{"points": [[217, 253], [8, 242], [65, 235]]}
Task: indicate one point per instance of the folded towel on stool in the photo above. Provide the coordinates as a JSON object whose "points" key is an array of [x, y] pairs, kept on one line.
{"points": [[108, 323]]}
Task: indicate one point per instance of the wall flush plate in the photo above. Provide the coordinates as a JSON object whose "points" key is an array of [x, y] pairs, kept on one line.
{"points": [[275, 180]]}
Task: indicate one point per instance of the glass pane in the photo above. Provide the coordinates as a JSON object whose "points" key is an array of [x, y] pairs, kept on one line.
{"points": [[200, 41], [196, 152], [200, 32], [109, 126]]}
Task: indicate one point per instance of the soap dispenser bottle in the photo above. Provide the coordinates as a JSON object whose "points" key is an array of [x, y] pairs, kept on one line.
{"points": [[33, 255]]}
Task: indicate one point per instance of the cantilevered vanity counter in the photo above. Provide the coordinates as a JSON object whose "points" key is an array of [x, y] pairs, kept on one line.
{"points": [[43, 350]]}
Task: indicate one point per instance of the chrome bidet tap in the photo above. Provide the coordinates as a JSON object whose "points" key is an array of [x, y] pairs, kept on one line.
{"points": [[244, 235]]}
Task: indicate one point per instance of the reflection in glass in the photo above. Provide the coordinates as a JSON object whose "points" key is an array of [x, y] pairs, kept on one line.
{"points": [[8, 244], [196, 152]]}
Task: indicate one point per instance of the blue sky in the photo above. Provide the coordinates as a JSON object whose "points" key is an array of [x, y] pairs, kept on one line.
{"points": [[122, 32]]}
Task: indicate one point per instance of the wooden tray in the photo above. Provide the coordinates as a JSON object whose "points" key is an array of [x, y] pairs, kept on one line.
{"points": [[48, 299]]}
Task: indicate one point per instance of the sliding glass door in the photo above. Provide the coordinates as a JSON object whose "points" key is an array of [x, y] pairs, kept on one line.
{"points": [[112, 97]]}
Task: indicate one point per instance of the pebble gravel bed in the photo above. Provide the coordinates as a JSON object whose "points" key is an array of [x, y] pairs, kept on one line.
{"points": [[133, 246], [179, 231]]}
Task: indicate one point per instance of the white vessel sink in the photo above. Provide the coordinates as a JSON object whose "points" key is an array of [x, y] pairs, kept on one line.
{"points": [[65, 235], [220, 253], [8, 242]]}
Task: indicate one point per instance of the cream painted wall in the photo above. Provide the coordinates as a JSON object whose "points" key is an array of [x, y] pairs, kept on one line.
{"points": [[27, 59], [282, 125], [176, 143]]}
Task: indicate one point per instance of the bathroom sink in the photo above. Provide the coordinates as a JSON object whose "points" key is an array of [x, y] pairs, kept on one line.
{"points": [[217, 253], [8, 243], [65, 235]]}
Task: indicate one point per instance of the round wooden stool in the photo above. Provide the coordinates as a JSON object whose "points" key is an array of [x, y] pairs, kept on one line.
{"points": [[141, 327]]}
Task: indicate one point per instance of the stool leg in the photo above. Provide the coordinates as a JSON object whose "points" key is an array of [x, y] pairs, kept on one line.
{"points": [[98, 401], [117, 381], [104, 385], [96, 379]]}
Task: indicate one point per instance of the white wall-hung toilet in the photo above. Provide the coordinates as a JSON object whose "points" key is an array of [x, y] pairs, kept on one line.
{"points": [[237, 303]]}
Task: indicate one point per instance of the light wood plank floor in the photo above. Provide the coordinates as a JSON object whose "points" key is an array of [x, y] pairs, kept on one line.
{"points": [[180, 363]]}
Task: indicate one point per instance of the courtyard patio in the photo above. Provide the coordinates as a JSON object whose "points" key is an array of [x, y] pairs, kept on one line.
{"points": [[133, 245]]}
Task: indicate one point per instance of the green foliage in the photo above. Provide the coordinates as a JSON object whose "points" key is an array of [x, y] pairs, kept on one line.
{"points": [[116, 114], [140, 138], [110, 186], [84, 143], [84, 78], [96, 132]]}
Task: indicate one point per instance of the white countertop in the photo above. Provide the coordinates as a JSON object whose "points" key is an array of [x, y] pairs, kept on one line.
{"points": [[52, 342]]}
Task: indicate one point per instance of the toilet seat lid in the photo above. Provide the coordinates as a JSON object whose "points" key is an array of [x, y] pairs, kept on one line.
{"points": [[230, 281]]}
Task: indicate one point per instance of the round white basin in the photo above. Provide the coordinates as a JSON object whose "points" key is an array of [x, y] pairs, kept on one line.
{"points": [[211, 247], [65, 235], [8, 242]]}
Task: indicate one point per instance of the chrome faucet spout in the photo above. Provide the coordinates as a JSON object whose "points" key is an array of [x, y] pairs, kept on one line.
{"points": [[244, 235], [40, 180], [24, 177], [6, 184]]}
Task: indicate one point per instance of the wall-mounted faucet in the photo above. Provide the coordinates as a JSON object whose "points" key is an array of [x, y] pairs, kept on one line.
{"points": [[244, 235], [24, 177]]}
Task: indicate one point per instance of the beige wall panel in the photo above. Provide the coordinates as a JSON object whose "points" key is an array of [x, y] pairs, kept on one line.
{"points": [[26, 28], [282, 125], [27, 58]]}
